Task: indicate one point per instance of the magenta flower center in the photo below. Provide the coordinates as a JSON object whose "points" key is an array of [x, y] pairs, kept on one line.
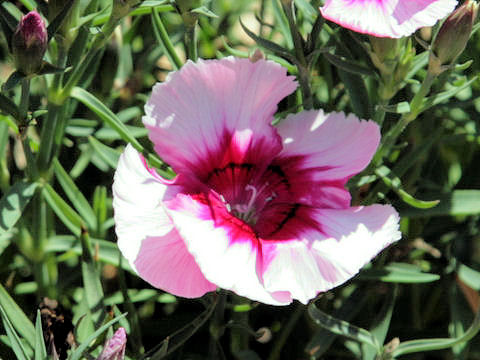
{"points": [[262, 199]]}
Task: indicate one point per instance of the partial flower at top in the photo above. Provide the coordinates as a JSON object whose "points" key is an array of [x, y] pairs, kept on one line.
{"points": [[255, 209], [386, 18]]}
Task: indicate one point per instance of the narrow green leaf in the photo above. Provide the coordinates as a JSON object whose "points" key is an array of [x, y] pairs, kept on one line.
{"points": [[282, 22], [129, 113], [145, 10], [109, 155], [100, 209], [40, 350], [419, 62], [464, 66], [105, 114], [443, 96], [75, 195], [322, 339], [234, 52], [15, 342], [395, 184], [381, 324], [469, 276], [29, 4], [57, 22], [12, 81], [106, 133], [422, 345], [347, 65], [134, 295], [17, 317], [343, 328], [269, 45], [91, 279], [9, 22], [460, 319], [77, 354], [458, 202], [109, 118], [13, 203], [307, 8], [398, 273], [203, 10], [66, 214], [107, 251], [355, 86]]}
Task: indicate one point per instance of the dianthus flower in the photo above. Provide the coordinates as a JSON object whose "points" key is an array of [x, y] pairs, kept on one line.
{"points": [[386, 18], [255, 209]]}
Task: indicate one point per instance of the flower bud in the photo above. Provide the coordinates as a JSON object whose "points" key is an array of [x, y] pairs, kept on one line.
{"points": [[115, 347], [29, 43], [453, 35]]}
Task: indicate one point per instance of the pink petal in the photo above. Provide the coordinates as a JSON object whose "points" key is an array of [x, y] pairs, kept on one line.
{"points": [[165, 262], [321, 152], [225, 248], [386, 18], [214, 112], [146, 235], [319, 260]]}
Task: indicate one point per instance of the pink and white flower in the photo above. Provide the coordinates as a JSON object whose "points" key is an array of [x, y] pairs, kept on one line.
{"points": [[386, 18], [255, 209]]}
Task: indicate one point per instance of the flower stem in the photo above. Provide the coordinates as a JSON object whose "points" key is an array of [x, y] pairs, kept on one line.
{"points": [[303, 70], [191, 42], [379, 114], [164, 40], [238, 336], [390, 138], [278, 346], [217, 325], [47, 138], [24, 100]]}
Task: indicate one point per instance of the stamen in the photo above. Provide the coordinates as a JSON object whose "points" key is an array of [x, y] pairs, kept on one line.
{"points": [[253, 197]]}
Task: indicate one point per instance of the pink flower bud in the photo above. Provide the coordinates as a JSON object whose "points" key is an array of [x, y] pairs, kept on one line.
{"points": [[29, 43], [453, 35], [115, 347]]}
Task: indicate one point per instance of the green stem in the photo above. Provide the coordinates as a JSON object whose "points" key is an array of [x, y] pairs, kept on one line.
{"points": [[164, 40], [217, 325], [24, 100], [31, 170], [238, 336], [416, 103], [282, 339], [61, 62], [379, 115], [303, 70], [191, 42], [390, 138], [96, 47], [47, 138]]}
